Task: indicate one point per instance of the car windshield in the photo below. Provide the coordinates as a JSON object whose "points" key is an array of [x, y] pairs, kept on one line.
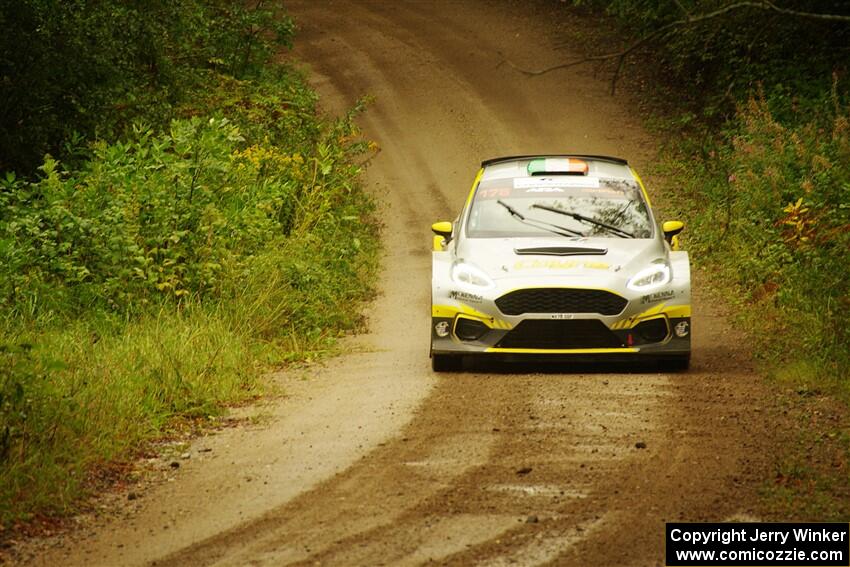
{"points": [[571, 206]]}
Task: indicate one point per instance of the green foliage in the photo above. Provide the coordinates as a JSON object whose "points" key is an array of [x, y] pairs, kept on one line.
{"points": [[164, 274], [199, 223], [283, 113], [775, 211], [757, 110], [761, 145], [115, 386], [151, 214], [76, 69], [716, 62]]}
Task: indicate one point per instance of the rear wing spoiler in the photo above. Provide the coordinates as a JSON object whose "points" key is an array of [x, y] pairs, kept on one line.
{"points": [[618, 161]]}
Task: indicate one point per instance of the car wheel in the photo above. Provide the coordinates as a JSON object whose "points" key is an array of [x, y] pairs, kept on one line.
{"points": [[446, 363], [675, 364]]}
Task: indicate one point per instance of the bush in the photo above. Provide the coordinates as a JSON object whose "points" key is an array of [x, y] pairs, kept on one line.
{"points": [[775, 211], [162, 276], [760, 141]]}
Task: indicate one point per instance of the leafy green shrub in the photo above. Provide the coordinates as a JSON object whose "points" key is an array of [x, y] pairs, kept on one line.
{"points": [[176, 214], [775, 210], [198, 223], [165, 273]]}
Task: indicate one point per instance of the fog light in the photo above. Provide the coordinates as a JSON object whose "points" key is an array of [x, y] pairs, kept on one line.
{"points": [[682, 329], [652, 331], [442, 329], [470, 329]]}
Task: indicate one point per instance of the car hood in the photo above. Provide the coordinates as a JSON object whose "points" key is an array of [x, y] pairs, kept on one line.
{"points": [[558, 257]]}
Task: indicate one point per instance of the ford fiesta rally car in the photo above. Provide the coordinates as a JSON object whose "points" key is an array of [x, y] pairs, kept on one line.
{"points": [[559, 255]]}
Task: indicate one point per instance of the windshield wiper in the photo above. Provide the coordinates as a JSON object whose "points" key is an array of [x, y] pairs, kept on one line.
{"points": [[613, 229], [557, 229]]}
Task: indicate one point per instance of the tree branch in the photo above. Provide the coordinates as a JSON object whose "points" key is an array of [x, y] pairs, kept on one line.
{"points": [[681, 7], [685, 21]]}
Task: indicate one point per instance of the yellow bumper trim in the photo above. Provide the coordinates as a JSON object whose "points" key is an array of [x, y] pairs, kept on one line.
{"points": [[450, 312], [671, 311]]}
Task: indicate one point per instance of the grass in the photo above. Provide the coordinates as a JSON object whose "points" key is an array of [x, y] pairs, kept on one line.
{"points": [[161, 279]]}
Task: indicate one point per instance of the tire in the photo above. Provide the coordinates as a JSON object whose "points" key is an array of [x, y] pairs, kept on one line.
{"points": [[446, 363]]}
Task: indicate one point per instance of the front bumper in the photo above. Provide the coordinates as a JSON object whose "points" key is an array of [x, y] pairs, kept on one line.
{"points": [[645, 327]]}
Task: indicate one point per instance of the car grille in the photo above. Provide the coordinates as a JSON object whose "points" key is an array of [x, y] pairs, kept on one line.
{"points": [[553, 334], [561, 300]]}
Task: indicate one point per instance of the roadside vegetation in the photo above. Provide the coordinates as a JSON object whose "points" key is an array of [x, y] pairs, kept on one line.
{"points": [[754, 99], [176, 218]]}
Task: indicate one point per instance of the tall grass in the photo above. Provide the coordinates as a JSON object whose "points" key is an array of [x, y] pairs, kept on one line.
{"points": [[164, 275]]}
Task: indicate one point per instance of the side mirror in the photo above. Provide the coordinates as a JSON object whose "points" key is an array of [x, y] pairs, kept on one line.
{"points": [[442, 228], [671, 229], [442, 234]]}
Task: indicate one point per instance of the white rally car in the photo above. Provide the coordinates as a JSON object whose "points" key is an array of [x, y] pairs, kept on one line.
{"points": [[559, 256]]}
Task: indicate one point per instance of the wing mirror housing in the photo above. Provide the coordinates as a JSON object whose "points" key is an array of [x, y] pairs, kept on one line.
{"points": [[442, 228], [442, 234], [671, 231]]}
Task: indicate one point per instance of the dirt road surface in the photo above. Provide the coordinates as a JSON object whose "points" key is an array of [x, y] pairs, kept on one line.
{"points": [[374, 460]]}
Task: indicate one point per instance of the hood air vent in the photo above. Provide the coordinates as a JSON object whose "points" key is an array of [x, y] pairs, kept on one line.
{"points": [[560, 251]]}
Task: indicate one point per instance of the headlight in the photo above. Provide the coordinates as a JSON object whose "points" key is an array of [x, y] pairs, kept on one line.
{"points": [[657, 275], [469, 275]]}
